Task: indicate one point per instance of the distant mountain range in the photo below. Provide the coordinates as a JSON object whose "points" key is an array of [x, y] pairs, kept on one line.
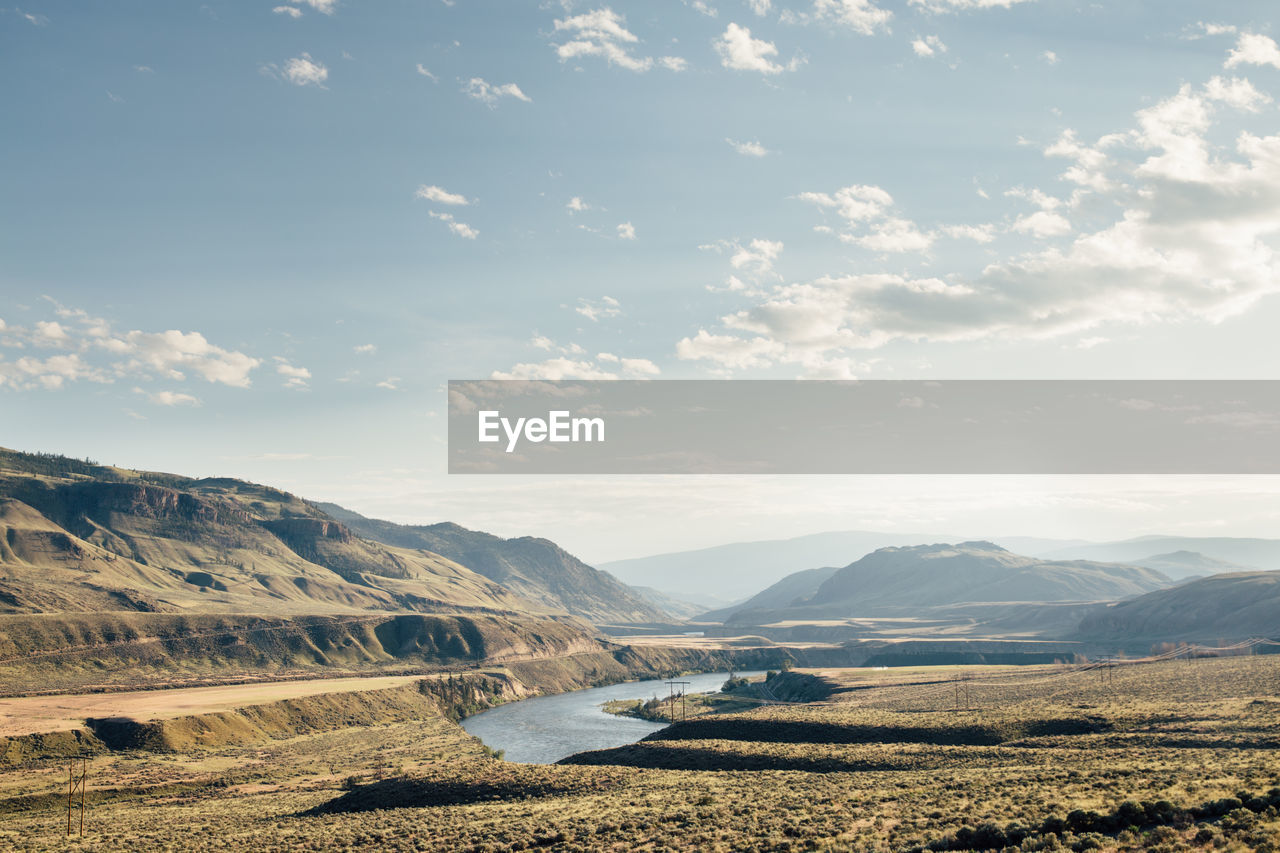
{"points": [[898, 581], [1188, 564], [740, 570], [76, 536], [1263, 554]]}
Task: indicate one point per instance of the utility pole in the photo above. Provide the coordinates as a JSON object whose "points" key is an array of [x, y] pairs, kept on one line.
{"points": [[75, 784], [671, 697]]}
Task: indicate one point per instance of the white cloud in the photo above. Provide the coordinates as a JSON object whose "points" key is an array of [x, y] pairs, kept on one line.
{"points": [[50, 333], [488, 93], [391, 383], [739, 51], [603, 366], [1042, 223], [50, 373], [1049, 57], [704, 7], [1193, 237], [756, 257], [760, 7], [751, 148], [626, 231], [97, 353], [291, 11], [870, 221], [1254, 49], [606, 307], [577, 205], [966, 5], [425, 72], [729, 351], [928, 46], [440, 195], [604, 33], [304, 71], [295, 377], [172, 352], [364, 349], [1211, 29], [978, 233], [326, 7], [461, 229], [168, 398], [555, 369], [862, 16]]}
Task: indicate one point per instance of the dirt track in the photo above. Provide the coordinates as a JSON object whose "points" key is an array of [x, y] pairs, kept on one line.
{"points": [[31, 715]]}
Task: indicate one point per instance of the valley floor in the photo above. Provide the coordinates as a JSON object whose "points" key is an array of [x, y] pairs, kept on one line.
{"points": [[1167, 756]]}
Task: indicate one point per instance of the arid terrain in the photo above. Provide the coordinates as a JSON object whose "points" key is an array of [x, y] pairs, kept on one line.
{"points": [[1172, 755]]}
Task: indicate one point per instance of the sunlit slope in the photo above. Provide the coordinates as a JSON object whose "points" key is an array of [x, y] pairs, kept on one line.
{"points": [[536, 569], [92, 538], [1227, 606]]}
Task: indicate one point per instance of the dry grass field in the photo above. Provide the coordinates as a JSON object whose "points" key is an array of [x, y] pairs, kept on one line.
{"points": [[1168, 756]]}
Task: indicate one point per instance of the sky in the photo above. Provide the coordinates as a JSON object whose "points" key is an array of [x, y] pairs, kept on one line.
{"points": [[256, 239]]}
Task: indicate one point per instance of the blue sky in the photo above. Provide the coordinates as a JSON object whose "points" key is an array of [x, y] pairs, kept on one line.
{"points": [[256, 238]]}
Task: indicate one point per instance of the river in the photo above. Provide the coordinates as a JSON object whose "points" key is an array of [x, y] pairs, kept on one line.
{"points": [[545, 729]]}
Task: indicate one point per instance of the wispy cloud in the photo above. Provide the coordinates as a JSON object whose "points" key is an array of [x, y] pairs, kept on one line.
{"points": [[488, 93], [461, 229], [606, 307], [751, 148], [300, 71], [440, 195], [33, 19], [295, 377], [603, 33]]}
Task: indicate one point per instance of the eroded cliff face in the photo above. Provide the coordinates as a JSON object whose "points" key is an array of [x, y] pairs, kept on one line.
{"points": [[78, 506]]}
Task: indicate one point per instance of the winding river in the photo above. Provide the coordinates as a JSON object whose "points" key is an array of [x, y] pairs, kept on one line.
{"points": [[545, 729]]}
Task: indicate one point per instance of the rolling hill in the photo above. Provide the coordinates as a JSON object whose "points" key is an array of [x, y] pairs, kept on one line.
{"points": [[536, 569], [900, 581], [1230, 606], [1188, 564], [80, 537], [792, 589]]}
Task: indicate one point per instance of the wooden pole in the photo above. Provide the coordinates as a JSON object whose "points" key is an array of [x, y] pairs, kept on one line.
{"points": [[84, 776]]}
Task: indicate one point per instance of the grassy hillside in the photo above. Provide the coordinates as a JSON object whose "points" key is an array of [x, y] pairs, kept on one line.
{"points": [[118, 540], [1227, 606], [76, 536], [903, 580], [536, 569]]}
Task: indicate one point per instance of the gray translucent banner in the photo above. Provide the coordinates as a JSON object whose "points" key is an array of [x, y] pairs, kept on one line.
{"points": [[864, 427]]}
